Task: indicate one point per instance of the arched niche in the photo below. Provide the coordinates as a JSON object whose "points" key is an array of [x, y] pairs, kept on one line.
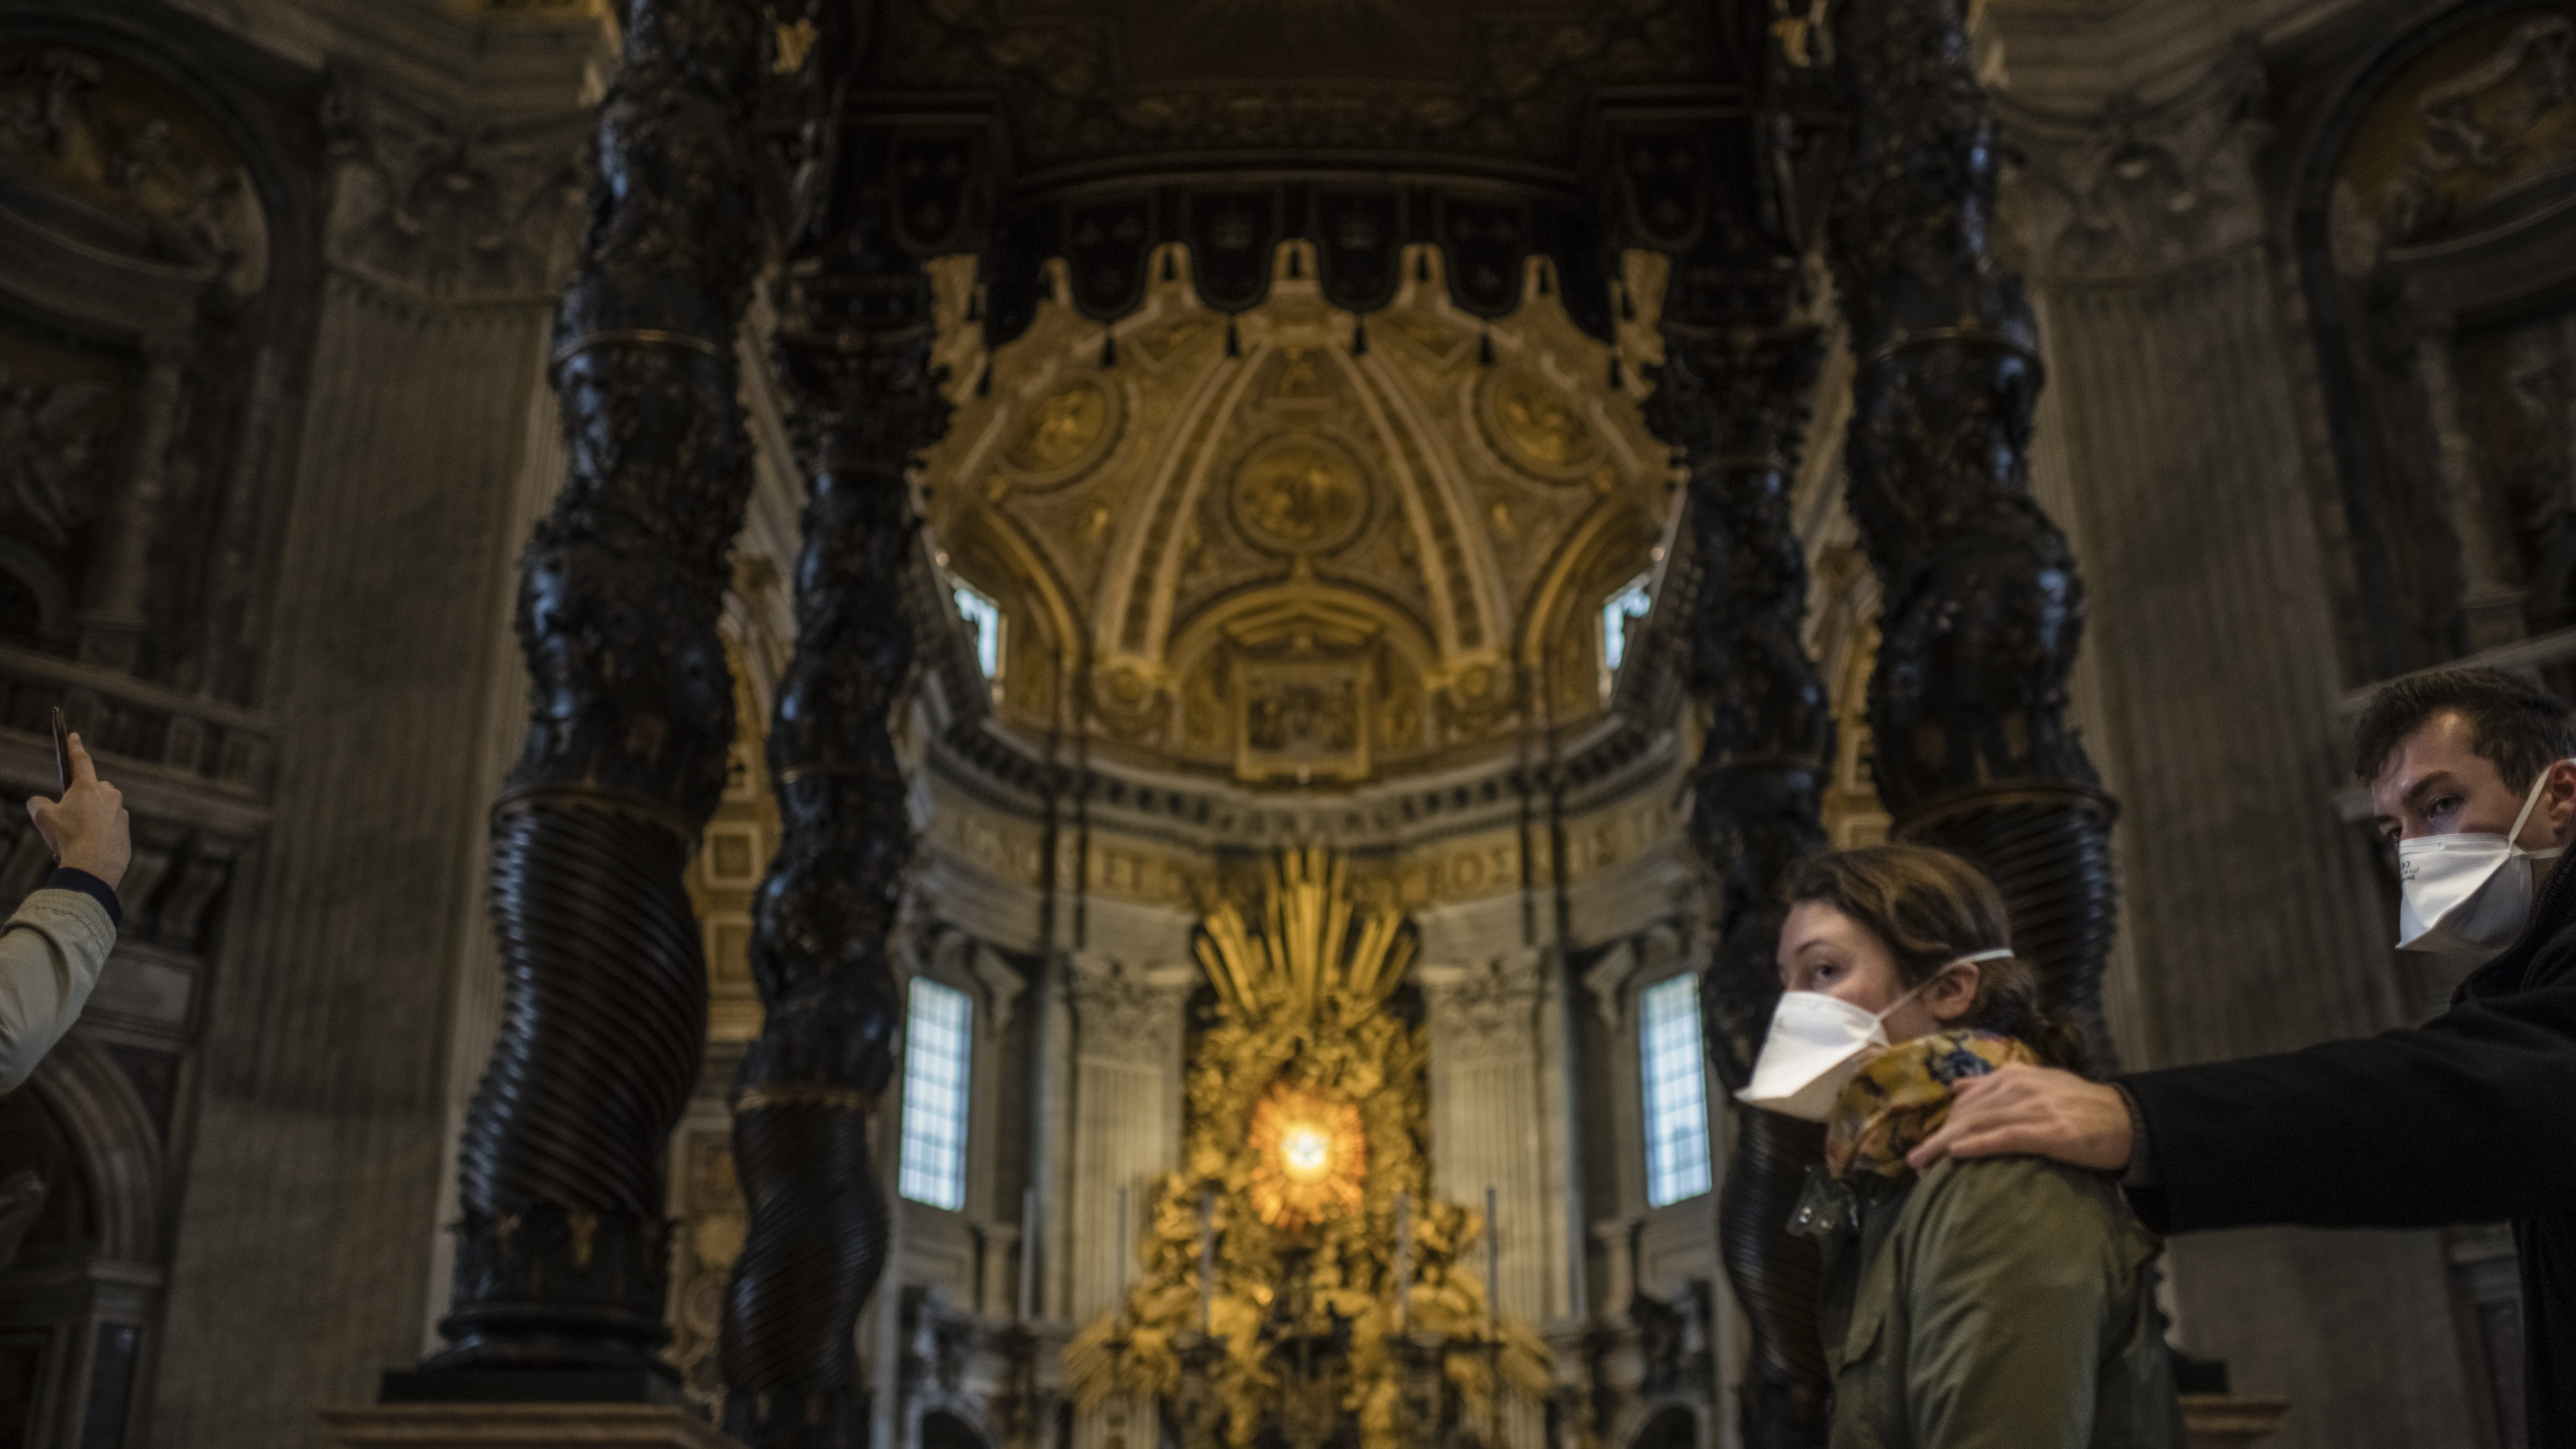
{"points": [[162, 231], [2434, 212], [81, 1297]]}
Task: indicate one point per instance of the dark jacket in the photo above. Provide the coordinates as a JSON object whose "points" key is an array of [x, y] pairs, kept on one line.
{"points": [[2002, 1304], [2468, 1118]]}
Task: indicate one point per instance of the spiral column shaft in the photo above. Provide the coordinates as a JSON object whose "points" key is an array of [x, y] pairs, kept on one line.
{"points": [[563, 1251], [854, 352], [1733, 397], [1983, 610]]}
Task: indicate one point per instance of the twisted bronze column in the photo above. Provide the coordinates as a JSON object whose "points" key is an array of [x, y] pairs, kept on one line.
{"points": [[562, 1257], [855, 355], [1983, 610], [1733, 397]]}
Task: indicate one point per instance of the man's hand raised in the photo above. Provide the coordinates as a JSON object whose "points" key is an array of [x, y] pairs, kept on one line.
{"points": [[87, 828], [2038, 1111]]}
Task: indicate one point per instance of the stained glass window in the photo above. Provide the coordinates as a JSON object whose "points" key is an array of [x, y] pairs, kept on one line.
{"points": [[1676, 1091], [934, 1096]]}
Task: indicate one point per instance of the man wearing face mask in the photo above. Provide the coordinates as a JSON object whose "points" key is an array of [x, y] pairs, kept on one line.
{"points": [[2468, 1118]]}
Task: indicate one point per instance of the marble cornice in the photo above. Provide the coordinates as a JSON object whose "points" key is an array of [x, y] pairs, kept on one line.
{"points": [[1610, 764], [495, 64], [2078, 54]]}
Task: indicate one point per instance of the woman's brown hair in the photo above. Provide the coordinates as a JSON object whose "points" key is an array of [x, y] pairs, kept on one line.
{"points": [[1931, 908]]}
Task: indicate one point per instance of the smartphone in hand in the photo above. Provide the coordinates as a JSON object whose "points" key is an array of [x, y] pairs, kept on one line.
{"points": [[62, 755]]}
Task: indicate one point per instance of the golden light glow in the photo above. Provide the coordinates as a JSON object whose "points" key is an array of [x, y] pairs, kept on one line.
{"points": [[1310, 1159], [1308, 1110], [1302, 1152]]}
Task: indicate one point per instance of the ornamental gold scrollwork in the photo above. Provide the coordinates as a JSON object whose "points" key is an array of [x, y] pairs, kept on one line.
{"points": [[1538, 428], [1300, 494], [1063, 435], [1308, 1117]]}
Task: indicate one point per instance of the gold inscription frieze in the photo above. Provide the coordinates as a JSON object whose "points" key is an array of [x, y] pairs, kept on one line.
{"points": [[1122, 866]]}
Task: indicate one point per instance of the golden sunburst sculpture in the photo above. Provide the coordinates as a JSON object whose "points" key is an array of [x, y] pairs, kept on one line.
{"points": [[1308, 1111]]}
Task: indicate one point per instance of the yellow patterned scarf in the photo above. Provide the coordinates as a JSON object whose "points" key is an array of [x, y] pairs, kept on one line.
{"points": [[1904, 1096]]}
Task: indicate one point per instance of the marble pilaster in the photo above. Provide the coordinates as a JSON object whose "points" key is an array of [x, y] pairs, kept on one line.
{"points": [[2250, 920], [359, 965]]}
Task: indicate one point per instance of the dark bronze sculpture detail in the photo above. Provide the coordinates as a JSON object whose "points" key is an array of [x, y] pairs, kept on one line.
{"points": [[1732, 396], [1983, 609], [563, 1254], [854, 351]]}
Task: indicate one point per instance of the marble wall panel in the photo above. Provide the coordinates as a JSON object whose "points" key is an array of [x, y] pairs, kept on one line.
{"points": [[325, 1112]]}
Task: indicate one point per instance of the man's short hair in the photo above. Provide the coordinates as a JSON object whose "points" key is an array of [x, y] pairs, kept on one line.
{"points": [[2517, 725]]}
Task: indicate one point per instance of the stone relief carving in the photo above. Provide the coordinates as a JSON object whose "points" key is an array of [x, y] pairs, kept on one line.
{"points": [[450, 209], [50, 435], [1120, 1011], [2471, 137], [2139, 189], [1486, 1008], [1607, 978], [96, 150]]}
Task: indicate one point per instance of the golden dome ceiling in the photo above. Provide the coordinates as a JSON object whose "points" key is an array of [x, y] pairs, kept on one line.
{"points": [[1289, 550]]}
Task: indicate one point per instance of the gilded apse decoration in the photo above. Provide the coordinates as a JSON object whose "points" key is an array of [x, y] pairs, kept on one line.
{"points": [[1170, 510], [1064, 435], [1301, 494], [1302, 718], [1309, 1156], [1308, 1115], [733, 853], [1537, 427]]}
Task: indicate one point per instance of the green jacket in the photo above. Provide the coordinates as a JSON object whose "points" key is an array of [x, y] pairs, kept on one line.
{"points": [[2006, 1303]]}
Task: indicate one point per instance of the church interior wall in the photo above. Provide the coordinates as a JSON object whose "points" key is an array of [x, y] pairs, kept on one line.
{"points": [[302, 1030]]}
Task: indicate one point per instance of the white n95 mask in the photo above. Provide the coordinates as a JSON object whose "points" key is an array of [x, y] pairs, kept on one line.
{"points": [[2467, 892], [1818, 1043]]}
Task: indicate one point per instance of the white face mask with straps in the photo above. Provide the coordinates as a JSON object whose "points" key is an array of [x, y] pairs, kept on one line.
{"points": [[1818, 1043], [2467, 892]]}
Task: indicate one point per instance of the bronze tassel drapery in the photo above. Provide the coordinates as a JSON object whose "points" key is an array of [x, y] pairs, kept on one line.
{"points": [[1983, 610], [1733, 397], [854, 352], [562, 1256]]}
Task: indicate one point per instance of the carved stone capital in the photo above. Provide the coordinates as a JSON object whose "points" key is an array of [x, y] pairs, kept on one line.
{"points": [[1488, 1008], [451, 209], [1121, 1010], [2135, 189]]}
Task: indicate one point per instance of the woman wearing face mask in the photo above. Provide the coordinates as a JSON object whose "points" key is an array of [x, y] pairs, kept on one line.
{"points": [[2005, 1302]]}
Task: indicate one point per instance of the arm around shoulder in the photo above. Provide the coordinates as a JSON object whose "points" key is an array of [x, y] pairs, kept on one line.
{"points": [[2468, 1118]]}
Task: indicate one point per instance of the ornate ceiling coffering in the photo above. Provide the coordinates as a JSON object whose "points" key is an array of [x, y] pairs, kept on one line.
{"points": [[1295, 548]]}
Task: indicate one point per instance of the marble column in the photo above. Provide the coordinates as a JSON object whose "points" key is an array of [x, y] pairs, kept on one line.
{"points": [[111, 618], [2253, 920], [1126, 1128], [1489, 1127]]}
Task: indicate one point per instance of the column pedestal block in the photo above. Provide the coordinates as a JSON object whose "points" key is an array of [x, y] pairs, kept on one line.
{"points": [[522, 1426]]}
